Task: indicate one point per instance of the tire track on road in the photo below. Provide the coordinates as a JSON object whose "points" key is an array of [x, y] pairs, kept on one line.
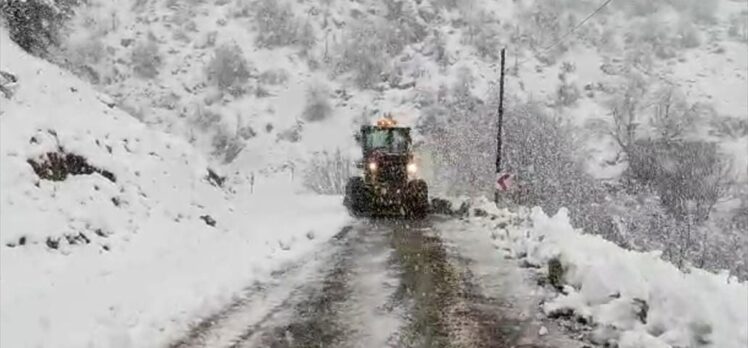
{"points": [[260, 301]]}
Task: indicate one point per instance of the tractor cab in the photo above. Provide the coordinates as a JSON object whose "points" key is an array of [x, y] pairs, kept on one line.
{"points": [[387, 153], [389, 181]]}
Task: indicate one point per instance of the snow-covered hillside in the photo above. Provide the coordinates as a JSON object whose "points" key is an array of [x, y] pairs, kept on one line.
{"points": [[159, 160], [122, 238], [157, 59]]}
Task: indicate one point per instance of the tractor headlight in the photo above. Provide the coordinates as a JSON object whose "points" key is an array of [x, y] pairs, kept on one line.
{"points": [[373, 166], [412, 168]]}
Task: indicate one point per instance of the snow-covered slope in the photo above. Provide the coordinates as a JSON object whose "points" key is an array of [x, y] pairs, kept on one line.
{"points": [[139, 241], [628, 298], [310, 44]]}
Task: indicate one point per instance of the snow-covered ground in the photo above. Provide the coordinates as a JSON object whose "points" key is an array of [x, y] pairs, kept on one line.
{"points": [[131, 260], [632, 298], [128, 260]]}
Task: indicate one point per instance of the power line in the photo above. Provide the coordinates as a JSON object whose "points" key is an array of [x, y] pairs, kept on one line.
{"points": [[580, 24]]}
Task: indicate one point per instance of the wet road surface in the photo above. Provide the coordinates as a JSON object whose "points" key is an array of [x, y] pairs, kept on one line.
{"points": [[376, 284]]}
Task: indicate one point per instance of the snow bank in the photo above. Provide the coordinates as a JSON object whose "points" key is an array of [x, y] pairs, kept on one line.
{"points": [[127, 259], [633, 298]]}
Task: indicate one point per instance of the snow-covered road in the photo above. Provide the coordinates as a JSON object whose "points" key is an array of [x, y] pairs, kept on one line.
{"points": [[385, 284]]}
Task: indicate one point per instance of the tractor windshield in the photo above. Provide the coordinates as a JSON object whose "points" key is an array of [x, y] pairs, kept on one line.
{"points": [[392, 140]]}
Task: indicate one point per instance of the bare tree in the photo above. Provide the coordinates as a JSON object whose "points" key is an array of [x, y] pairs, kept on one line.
{"points": [[328, 173], [624, 112], [672, 117]]}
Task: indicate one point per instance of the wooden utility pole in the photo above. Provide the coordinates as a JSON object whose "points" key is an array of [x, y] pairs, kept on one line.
{"points": [[501, 120]]}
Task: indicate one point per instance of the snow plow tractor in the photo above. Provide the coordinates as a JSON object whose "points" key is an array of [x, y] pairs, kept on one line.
{"points": [[389, 184]]}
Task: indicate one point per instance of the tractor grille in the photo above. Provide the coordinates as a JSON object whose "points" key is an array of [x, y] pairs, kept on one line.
{"points": [[392, 170]]}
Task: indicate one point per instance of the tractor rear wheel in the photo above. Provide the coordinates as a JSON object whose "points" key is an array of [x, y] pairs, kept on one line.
{"points": [[418, 199], [357, 198]]}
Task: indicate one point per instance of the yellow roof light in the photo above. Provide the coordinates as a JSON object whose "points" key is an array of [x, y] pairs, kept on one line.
{"points": [[386, 123]]}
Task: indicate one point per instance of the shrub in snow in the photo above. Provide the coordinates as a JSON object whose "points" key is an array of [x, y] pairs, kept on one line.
{"points": [[674, 118], [368, 44], [701, 11], [403, 18], [671, 184], [488, 43], [568, 92], [482, 33], [306, 37], [228, 69], [292, 134], [444, 4], [146, 59], [328, 173], [227, 147], [278, 26], [437, 47], [205, 118], [729, 127], [657, 36], [86, 59], [688, 35], [544, 25], [37, 26], [640, 7], [684, 173], [739, 26], [364, 53], [625, 111], [318, 105], [273, 77]]}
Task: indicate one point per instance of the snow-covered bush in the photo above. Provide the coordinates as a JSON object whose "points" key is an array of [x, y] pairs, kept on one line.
{"points": [[228, 69], [689, 176], [226, 147], [568, 92], [544, 25], [700, 11], [445, 4], [327, 173], [405, 22], [86, 57], [739, 26], [37, 26], [673, 117], [292, 134], [365, 52], [688, 35], [273, 77], [318, 105], [538, 152], [483, 34], [626, 111], [278, 26], [146, 59], [656, 35], [437, 48], [639, 7], [306, 37]]}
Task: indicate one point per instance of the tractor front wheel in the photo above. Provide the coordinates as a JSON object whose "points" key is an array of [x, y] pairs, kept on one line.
{"points": [[418, 199], [356, 197]]}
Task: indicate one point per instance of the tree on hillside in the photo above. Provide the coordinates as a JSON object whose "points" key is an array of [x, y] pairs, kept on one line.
{"points": [[36, 25]]}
